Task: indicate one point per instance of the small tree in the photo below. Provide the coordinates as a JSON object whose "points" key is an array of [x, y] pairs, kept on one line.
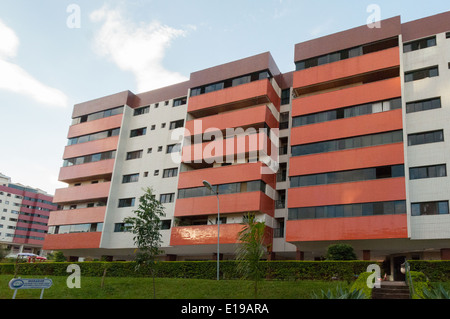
{"points": [[146, 227], [340, 252], [251, 249]]}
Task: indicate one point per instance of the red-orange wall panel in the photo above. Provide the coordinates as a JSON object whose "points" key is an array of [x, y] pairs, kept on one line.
{"points": [[94, 147], [99, 125], [235, 119], [391, 154], [234, 94], [230, 203], [82, 193], [351, 228], [347, 68], [226, 175], [355, 126], [78, 216], [72, 241], [381, 190], [366, 93], [86, 171]]}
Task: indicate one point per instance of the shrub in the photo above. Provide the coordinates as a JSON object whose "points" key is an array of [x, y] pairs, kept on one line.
{"points": [[361, 284], [340, 252], [275, 270]]}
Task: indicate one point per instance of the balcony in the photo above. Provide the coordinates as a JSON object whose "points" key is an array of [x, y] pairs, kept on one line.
{"points": [[362, 69], [390, 154], [226, 175], [99, 125], [78, 216], [367, 93], [351, 228], [238, 119], [84, 193], [230, 203], [235, 147], [94, 147], [354, 126], [89, 171], [380, 190], [254, 93], [72, 241]]}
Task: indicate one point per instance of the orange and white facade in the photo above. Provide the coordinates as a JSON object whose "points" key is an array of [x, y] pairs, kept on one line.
{"points": [[357, 132]]}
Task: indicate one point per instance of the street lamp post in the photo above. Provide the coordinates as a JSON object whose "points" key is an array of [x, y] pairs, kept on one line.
{"points": [[208, 186]]}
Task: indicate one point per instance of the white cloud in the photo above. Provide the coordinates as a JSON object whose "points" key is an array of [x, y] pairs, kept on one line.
{"points": [[15, 79], [139, 49]]}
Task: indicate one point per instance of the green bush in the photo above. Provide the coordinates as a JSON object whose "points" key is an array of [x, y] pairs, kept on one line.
{"points": [[435, 270], [360, 284], [275, 270], [340, 252]]}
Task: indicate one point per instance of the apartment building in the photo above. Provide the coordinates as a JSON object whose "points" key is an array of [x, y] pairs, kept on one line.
{"points": [[348, 147], [24, 214]]}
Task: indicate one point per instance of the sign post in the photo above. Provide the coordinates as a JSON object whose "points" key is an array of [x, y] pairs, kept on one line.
{"points": [[28, 283]]}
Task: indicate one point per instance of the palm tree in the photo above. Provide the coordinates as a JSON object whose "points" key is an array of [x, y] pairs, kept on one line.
{"points": [[251, 249]]}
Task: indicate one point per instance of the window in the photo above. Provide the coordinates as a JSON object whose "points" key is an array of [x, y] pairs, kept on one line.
{"points": [[286, 96], [94, 137], [173, 148], [170, 172], [348, 112], [167, 198], [426, 138], [181, 101], [126, 202], [142, 110], [90, 158], [256, 76], [429, 208], [348, 143], [424, 105], [422, 74], [428, 172], [163, 125], [346, 54], [351, 210], [165, 224], [153, 127], [134, 155], [232, 188], [365, 174], [156, 172], [132, 178], [419, 44], [176, 124], [138, 132], [284, 121], [98, 115], [121, 227]]}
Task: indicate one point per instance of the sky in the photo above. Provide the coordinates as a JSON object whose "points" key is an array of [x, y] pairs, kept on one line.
{"points": [[57, 53]]}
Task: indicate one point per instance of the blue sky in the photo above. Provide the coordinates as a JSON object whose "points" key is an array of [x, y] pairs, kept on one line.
{"points": [[46, 67]]}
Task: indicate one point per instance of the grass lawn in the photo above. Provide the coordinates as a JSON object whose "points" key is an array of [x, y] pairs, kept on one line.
{"points": [[142, 288]]}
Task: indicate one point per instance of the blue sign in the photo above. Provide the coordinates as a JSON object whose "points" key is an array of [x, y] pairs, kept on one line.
{"points": [[28, 283]]}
